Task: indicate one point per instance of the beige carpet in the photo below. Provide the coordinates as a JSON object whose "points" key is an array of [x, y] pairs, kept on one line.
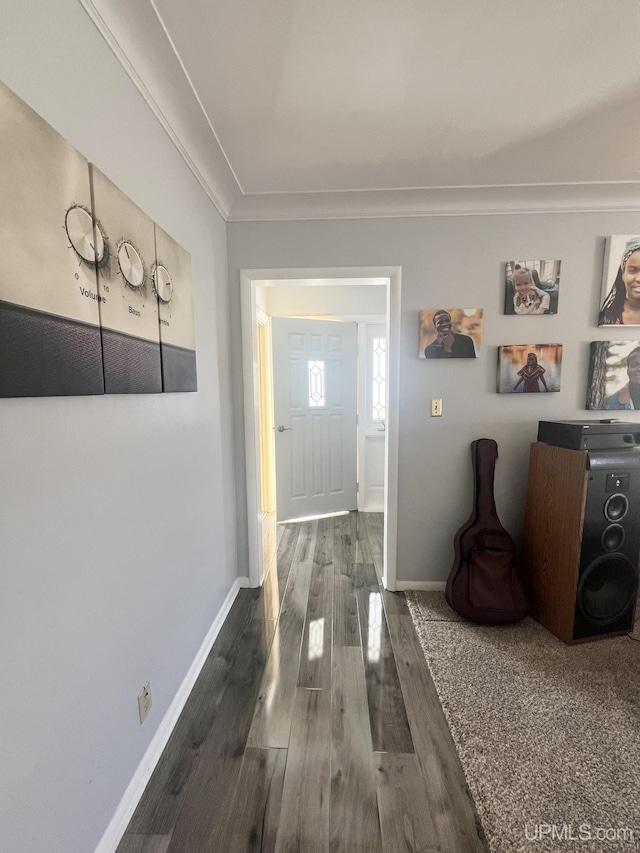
{"points": [[548, 734]]}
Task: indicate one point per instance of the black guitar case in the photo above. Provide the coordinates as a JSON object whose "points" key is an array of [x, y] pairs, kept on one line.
{"points": [[483, 585]]}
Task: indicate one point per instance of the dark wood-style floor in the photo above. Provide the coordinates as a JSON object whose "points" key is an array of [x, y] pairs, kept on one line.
{"points": [[314, 724]]}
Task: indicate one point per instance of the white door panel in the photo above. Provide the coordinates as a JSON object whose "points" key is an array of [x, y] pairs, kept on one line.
{"points": [[314, 382], [373, 413], [372, 482]]}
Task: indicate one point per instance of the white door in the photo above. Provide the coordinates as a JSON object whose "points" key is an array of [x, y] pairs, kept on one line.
{"points": [[314, 391]]}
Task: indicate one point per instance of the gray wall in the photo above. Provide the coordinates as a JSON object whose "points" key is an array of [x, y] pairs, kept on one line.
{"points": [[117, 528], [453, 262]]}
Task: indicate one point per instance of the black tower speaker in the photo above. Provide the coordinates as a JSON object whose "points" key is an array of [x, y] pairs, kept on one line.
{"points": [[608, 574], [582, 540]]}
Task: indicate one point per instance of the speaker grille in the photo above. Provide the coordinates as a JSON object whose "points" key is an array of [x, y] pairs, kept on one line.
{"points": [[131, 365], [46, 356], [607, 589]]}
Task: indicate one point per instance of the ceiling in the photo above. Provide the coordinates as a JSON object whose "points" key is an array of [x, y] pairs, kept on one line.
{"points": [[294, 108]]}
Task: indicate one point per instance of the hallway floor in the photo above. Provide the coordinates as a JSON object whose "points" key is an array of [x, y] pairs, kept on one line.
{"points": [[314, 724]]}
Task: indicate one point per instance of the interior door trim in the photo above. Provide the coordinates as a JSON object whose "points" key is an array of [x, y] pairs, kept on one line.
{"points": [[250, 279]]}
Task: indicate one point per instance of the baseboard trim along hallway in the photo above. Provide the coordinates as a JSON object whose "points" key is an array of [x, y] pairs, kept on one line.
{"points": [[135, 789]]}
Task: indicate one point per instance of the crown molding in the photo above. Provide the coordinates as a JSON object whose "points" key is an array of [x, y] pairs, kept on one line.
{"points": [[440, 201], [140, 43], [137, 36]]}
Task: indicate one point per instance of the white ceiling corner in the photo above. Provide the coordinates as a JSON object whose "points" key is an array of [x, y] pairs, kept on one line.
{"points": [[138, 39], [290, 109]]}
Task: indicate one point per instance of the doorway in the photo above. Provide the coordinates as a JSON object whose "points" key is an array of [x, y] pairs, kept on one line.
{"points": [[253, 285]]}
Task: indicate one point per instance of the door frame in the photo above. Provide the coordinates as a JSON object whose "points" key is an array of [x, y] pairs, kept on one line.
{"points": [[364, 361], [250, 280]]}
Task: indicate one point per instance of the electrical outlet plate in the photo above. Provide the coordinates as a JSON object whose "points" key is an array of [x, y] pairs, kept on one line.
{"points": [[436, 407], [144, 701]]}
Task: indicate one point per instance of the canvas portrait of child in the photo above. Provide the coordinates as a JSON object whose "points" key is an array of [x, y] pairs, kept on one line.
{"points": [[532, 287]]}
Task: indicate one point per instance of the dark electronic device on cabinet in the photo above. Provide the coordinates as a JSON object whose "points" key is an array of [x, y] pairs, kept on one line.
{"points": [[590, 435]]}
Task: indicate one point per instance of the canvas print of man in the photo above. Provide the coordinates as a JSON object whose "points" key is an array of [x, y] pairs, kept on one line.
{"points": [[614, 376], [529, 368], [532, 287], [450, 333], [621, 282]]}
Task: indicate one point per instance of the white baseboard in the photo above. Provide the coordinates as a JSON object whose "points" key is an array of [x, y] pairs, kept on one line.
{"points": [[135, 789], [428, 586]]}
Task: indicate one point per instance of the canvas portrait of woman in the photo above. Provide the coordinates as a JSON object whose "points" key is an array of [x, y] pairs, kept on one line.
{"points": [[529, 368], [621, 282]]}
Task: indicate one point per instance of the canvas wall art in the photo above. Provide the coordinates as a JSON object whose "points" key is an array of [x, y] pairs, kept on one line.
{"points": [[532, 287], [171, 276], [614, 376], [529, 368], [450, 333], [620, 298], [128, 305], [94, 296], [49, 316]]}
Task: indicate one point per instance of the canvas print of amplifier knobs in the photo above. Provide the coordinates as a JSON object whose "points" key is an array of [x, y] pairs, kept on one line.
{"points": [[94, 296]]}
